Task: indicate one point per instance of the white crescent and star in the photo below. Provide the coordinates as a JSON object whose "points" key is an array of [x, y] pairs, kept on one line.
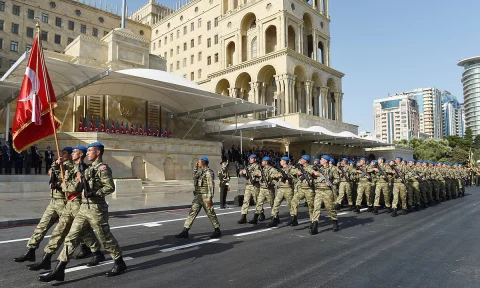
{"points": [[32, 76]]}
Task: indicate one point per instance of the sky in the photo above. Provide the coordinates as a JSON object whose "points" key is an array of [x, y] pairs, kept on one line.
{"points": [[392, 46]]}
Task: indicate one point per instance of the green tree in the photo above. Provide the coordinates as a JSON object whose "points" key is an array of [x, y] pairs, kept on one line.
{"points": [[459, 155], [456, 141], [432, 150], [402, 143], [469, 137], [476, 142]]}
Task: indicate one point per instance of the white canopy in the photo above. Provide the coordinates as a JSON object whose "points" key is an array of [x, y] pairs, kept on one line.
{"points": [[275, 129], [180, 96], [8, 92]]}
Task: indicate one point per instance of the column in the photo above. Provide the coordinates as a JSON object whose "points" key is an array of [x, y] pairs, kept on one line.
{"points": [[238, 49], [230, 5], [338, 105], [278, 95], [308, 97], [299, 101], [300, 40], [326, 8], [315, 45], [324, 94], [320, 6], [314, 4], [315, 94], [223, 60], [327, 54], [234, 92]]}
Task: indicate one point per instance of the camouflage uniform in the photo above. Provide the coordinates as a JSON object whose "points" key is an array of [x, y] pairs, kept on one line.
{"points": [[413, 187], [73, 190], [364, 186], [285, 189], [252, 188], [203, 181], [99, 179], [382, 186], [323, 192], [399, 188], [345, 187], [442, 182], [54, 210], [267, 187], [304, 192]]}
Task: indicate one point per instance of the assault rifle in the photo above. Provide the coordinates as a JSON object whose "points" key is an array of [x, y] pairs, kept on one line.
{"points": [[85, 187], [345, 174], [285, 177], [364, 173], [53, 181], [399, 175], [305, 175], [264, 179]]}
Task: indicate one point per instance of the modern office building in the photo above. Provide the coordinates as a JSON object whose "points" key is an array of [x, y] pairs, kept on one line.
{"points": [[471, 93], [453, 120], [396, 118]]}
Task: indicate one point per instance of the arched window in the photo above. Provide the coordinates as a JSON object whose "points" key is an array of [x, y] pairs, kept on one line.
{"points": [[254, 47]]}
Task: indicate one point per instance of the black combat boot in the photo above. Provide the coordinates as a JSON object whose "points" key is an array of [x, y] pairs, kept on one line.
{"points": [[274, 223], [417, 207], [183, 234], [261, 217], [337, 207], [29, 255], [357, 209], [255, 219], [84, 252], [118, 267], [243, 220], [216, 234], [404, 212], [425, 205], [293, 221], [45, 263], [394, 213], [305, 204], [57, 274], [370, 209], [314, 229], [389, 210], [335, 226], [409, 208], [351, 208], [375, 210], [96, 259]]}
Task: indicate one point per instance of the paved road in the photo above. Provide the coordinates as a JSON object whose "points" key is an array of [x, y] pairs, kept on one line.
{"points": [[437, 247]]}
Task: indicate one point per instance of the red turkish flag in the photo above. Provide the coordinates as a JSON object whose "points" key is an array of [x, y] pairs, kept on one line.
{"points": [[33, 122]]}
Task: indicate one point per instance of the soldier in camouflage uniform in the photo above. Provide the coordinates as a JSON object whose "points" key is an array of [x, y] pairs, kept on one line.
{"points": [[399, 188], [304, 192], [364, 185], [252, 188], [325, 178], [428, 182], [345, 185], [98, 177], [74, 201], [54, 209], [284, 190], [413, 186], [435, 179], [269, 177], [462, 182], [203, 198], [224, 180], [442, 181], [423, 184], [382, 172]]}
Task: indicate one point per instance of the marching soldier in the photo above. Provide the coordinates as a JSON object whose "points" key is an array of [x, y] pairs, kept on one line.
{"points": [[345, 185], [268, 178], [382, 172], [435, 179], [74, 201], [285, 189], [252, 188], [399, 188], [98, 177], [442, 181], [54, 209], [203, 198], [224, 179], [325, 177], [364, 185], [304, 191], [413, 187]]}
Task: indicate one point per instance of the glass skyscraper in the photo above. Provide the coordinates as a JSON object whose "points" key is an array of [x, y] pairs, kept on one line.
{"points": [[471, 93]]}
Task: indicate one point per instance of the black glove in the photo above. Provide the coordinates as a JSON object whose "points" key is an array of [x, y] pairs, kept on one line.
{"points": [[90, 194]]}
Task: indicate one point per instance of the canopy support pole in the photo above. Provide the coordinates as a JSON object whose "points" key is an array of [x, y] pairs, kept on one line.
{"points": [[66, 113], [198, 118], [7, 122], [288, 148], [241, 141]]}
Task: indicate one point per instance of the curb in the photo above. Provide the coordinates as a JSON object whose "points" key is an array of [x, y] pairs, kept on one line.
{"points": [[34, 221]]}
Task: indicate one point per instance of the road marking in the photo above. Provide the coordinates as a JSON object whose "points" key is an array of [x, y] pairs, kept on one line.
{"points": [[19, 240], [83, 267], [363, 209], [303, 221], [189, 245], [342, 213], [254, 232], [152, 225]]}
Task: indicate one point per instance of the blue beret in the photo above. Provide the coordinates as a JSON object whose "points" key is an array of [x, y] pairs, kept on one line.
{"points": [[399, 157], [345, 159], [331, 160], [316, 160], [326, 157], [363, 158], [204, 159], [375, 161], [266, 159], [252, 156], [80, 147], [285, 158], [381, 157], [433, 163], [68, 149], [412, 160], [306, 157], [96, 144]]}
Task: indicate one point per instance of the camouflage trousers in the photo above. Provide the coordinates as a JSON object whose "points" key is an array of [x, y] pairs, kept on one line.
{"points": [[265, 194], [52, 213], [423, 192], [63, 227], [382, 188], [282, 193], [250, 192], [199, 202], [304, 192], [345, 188], [442, 189], [435, 190], [97, 218], [448, 188], [364, 187], [399, 191], [323, 194], [428, 186], [413, 192], [453, 188]]}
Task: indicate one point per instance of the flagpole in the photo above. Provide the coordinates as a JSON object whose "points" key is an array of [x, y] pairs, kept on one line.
{"points": [[47, 91]]}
